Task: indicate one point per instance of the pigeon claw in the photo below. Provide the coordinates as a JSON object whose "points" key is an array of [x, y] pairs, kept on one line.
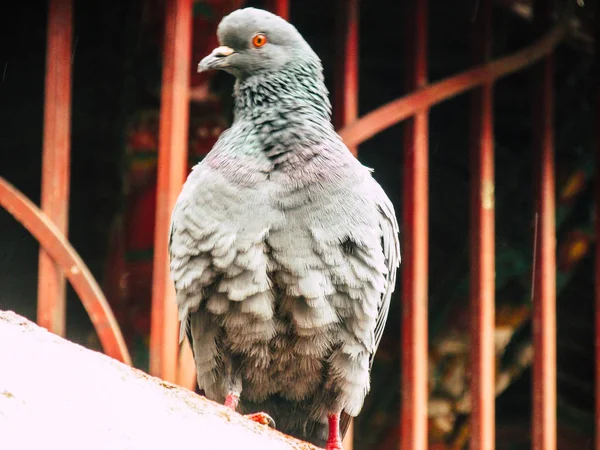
{"points": [[334, 445], [262, 418]]}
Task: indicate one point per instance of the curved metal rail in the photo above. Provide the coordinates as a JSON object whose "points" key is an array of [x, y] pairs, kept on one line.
{"points": [[65, 256], [405, 107]]}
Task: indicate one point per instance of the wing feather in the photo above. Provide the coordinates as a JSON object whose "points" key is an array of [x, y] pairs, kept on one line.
{"points": [[390, 244]]}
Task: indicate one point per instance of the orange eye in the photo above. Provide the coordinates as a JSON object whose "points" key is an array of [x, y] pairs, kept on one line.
{"points": [[259, 40]]}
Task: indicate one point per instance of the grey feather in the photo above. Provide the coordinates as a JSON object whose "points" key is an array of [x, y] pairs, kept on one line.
{"points": [[284, 249]]}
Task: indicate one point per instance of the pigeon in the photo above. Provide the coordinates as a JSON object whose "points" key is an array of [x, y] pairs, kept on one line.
{"points": [[283, 247]]}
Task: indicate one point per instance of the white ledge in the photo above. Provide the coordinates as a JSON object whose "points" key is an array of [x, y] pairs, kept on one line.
{"points": [[55, 394]]}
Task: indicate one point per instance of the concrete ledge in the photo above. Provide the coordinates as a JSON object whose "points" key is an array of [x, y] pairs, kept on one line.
{"points": [[55, 394]]}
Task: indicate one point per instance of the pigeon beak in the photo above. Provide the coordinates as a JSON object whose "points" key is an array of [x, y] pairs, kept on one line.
{"points": [[216, 60]]}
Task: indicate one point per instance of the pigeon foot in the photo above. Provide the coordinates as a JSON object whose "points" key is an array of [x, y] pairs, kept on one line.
{"points": [[262, 418], [232, 400], [334, 442], [334, 445]]}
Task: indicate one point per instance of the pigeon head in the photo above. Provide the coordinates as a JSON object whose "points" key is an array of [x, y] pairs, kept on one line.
{"points": [[253, 41]]}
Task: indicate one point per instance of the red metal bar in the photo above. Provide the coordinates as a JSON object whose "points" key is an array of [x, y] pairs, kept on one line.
{"points": [[597, 225], [345, 93], [51, 309], [56, 246], [186, 369], [172, 166], [413, 425], [348, 442], [405, 107], [279, 7], [482, 277], [544, 289]]}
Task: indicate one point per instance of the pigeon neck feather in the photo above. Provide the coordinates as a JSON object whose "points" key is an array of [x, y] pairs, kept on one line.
{"points": [[289, 110], [298, 85]]}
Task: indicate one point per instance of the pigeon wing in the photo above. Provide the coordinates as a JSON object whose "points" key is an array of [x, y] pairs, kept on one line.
{"points": [[390, 244]]}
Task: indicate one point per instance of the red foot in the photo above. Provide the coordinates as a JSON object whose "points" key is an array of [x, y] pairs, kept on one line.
{"points": [[232, 401], [334, 442], [262, 418]]}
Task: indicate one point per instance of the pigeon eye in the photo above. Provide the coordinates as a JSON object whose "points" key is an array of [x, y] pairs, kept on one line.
{"points": [[259, 40]]}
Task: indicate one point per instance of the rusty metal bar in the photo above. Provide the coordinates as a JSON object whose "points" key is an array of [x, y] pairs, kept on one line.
{"points": [[345, 92], [482, 276], [413, 425], [596, 75], [186, 368], [279, 7], [348, 442], [51, 309], [405, 107], [544, 288], [172, 166], [56, 246]]}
